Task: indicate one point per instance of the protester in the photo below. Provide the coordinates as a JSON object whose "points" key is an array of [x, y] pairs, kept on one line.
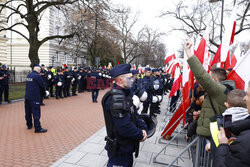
{"points": [[215, 85]]}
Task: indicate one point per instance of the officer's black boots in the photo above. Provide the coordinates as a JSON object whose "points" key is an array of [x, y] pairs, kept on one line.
{"points": [[41, 130]]}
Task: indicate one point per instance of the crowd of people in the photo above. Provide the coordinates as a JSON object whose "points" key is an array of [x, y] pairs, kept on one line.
{"points": [[216, 101], [134, 99]]}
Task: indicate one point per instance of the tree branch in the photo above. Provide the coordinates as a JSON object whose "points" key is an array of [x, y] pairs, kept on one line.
{"points": [[54, 37]]}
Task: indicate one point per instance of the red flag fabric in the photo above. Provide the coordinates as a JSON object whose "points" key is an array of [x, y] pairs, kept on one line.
{"points": [[173, 123], [169, 58], [118, 63], [201, 50], [216, 58], [174, 67]]}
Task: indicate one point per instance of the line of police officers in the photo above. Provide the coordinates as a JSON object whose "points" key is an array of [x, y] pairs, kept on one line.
{"points": [[63, 79]]}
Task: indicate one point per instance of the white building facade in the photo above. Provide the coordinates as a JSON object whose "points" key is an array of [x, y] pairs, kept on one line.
{"points": [[14, 48]]}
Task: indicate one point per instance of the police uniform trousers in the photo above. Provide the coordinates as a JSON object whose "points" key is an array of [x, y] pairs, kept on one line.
{"points": [[145, 107], [59, 91], [66, 89], [50, 88], [80, 86], [32, 108], [74, 85], [153, 108], [95, 93], [121, 160], [4, 89]]}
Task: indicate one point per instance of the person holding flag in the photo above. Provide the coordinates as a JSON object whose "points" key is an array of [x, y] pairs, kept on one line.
{"points": [[215, 86]]}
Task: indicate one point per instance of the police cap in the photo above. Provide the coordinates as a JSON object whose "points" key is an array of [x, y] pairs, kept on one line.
{"points": [[120, 69]]}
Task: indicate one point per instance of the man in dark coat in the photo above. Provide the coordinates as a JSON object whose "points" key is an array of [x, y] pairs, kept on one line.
{"points": [[34, 87]]}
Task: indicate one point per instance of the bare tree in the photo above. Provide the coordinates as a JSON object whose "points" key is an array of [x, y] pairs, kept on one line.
{"points": [[151, 50], [125, 22], [194, 20], [29, 14]]}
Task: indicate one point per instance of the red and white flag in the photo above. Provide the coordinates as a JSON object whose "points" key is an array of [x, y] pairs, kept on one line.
{"points": [[240, 74], [169, 58], [177, 82], [228, 38]]}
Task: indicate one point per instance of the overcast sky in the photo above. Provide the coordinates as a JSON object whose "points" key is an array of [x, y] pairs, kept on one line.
{"points": [[149, 12]]}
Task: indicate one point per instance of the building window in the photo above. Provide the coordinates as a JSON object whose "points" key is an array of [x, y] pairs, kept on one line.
{"points": [[65, 58], [57, 56]]}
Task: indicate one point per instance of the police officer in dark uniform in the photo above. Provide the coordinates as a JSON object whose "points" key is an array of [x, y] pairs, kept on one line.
{"points": [[74, 81], [156, 84], [34, 87], [94, 76], [50, 81], [80, 80], [4, 84], [146, 84], [59, 82], [43, 75], [67, 80], [124, 130]]}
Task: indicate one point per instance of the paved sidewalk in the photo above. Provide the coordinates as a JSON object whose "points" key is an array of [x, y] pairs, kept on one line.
{"points": [[69, 121], [91, 153]]}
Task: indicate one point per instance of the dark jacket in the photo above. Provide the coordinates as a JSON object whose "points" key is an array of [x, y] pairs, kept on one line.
{"points": [[34, 87], [238, 153], [6, 76]]}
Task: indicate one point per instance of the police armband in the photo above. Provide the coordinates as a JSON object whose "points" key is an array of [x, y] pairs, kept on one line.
{"points": [[118, 105]]}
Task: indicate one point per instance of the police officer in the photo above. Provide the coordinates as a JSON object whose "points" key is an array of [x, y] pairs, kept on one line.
{"points": [[4, 84], [94, 76], [50, 81], [124, 130], [74, 81], [146, 84], [43, 75], [67, 80], [34, 87], [80, 80], [59, 82]]}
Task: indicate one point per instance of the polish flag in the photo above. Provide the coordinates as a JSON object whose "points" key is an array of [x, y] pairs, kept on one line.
{"points": [[230, 63], [186, 87], [173, 69], [169, 58], [240, 74], [177, 82], [228, 38], [202, 53], [170, 66]]}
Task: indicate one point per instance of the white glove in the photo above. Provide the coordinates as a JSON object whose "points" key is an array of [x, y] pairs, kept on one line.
{"points": [[100, 74], [144, 96], [154, 99], [136, 101], [47, 93], [159, 97], [73, 79], [59, 84], [49, 77], [140, 108], [79, 77]]}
